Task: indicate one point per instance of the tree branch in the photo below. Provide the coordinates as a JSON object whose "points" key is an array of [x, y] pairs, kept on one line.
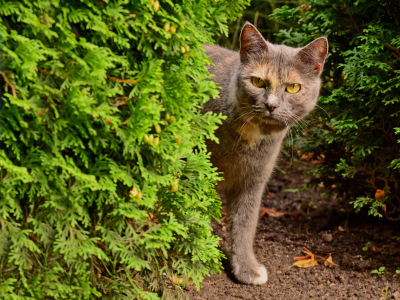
{"points": [[52, 73], [9, 83], [352, 21], [122, 80], [324, 125], [394, 49]]}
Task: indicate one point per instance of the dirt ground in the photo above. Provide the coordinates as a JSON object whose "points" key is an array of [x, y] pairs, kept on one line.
{"points": [[322, 225]]}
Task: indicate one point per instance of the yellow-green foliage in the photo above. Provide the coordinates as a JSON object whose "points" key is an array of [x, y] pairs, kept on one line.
{"points": [[101, 193]]}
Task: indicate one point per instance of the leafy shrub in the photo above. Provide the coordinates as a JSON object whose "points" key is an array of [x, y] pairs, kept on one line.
{"points": [[101, 193], [357, 139]]}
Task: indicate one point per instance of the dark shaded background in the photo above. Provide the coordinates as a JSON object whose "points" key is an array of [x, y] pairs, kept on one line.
{"points": [[258, 14]]}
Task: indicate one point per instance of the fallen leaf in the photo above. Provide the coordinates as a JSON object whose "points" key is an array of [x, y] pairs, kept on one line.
{"points": [[379, 194], [376, 249], [308, 252], [176, 280], [329, 262], [305, 261], [295, 217], [270, 212]]}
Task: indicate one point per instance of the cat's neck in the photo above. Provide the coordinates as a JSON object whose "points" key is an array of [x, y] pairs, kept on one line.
{"points": [[253, 132]]}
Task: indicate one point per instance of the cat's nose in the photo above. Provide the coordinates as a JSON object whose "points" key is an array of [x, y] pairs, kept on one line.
{"points": [[271, 106]]}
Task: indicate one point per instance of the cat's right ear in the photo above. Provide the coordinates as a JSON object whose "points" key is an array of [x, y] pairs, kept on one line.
{"points": [[314, 54], [251, 42]]}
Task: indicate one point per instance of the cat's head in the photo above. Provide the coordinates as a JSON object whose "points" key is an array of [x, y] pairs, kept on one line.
{"points": [[277, 83]]}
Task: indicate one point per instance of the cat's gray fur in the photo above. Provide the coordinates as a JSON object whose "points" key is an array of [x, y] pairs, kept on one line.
{"points": [[257, 121]]}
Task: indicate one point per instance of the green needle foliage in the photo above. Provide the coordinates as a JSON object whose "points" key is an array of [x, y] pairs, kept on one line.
{"points": [[358, 141], [101, 193]]}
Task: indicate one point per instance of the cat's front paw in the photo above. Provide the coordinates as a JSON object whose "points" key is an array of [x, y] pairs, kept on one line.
{"points": [[250, 273]]}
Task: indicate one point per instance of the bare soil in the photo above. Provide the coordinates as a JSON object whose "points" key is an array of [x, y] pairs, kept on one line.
{"points": [[323, 225]]}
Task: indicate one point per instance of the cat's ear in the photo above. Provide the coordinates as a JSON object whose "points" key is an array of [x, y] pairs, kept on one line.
{"points": [[314, 54], [251, 42]]}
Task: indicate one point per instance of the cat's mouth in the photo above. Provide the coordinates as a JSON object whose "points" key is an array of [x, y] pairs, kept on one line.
{"points": [[269, 124], [272, 121]]}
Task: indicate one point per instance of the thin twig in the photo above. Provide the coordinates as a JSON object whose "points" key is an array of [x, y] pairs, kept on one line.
{"points": [[391, 9], [235, 35], [122, 80], [354, 23], [52, 73], [324, 125], [9, 84], [256, 18], [119, 103], [9, 269], [394, 49], [216, 281]]}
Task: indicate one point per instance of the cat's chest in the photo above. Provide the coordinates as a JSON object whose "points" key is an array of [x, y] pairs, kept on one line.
{"points": [[253, 136]]}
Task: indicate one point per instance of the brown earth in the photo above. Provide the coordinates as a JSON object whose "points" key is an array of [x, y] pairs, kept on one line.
{"points": [[323, 225]]}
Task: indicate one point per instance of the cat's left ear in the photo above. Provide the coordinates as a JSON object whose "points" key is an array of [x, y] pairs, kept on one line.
{"points": [[251, 42], [314, 54]]}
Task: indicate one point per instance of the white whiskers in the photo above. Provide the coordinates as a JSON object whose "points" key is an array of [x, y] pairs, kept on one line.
{"points": [[323, 110], [241, 129]]}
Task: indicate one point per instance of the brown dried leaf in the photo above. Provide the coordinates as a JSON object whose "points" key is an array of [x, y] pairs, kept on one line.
{"points": [[379, 194], [303, 257], [329, 262], [271, 212], [376, 249], [305, 263], [176, 280]]}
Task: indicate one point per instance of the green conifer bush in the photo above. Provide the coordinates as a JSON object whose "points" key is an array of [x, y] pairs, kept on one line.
{"points": [[101, 193], [357, 138]]}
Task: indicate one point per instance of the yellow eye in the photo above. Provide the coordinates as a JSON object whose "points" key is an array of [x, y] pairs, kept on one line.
{"points": [[258, 82], [293, 88]]}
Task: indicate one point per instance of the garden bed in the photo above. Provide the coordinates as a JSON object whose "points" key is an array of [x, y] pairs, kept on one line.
{"points": [[358, 243]]}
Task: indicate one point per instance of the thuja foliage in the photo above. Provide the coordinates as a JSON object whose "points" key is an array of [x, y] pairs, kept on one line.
{"points": [[106, 190], [357, 137]]}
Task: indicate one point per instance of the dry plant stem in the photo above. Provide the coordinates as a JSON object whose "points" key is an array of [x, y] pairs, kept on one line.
{"points": [[9, 83], [256, 18], [108, 76], [52, 73], [236, 32], [396, 50], [393, 12], [324, 125], [392, 140], [119, 103], [170, 254], [389, 218], [354, 23], [122, 80]]}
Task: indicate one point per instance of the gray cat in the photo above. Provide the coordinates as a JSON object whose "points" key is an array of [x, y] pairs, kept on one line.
{"points": [[265, 89]]}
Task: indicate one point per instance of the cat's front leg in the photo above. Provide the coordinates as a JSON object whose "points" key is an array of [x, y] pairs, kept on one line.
{"points": [[243, 209]]}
